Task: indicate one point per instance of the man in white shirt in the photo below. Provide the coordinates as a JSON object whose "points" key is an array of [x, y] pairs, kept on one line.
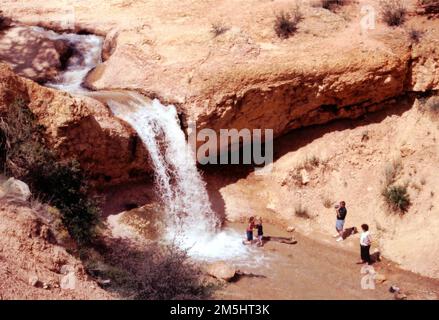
{"points": [[365, 242]]}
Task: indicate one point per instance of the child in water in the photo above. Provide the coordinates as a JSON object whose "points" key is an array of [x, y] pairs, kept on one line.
{"points": [[260, 231], [249, 231]]}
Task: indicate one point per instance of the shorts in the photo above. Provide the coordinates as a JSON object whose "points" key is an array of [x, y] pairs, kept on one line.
{"points": [[260, 237], [249, 235], [339, 224]]}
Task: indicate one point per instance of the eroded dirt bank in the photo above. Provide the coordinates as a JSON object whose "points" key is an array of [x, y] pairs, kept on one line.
{"points": [[316, 167], [246, 77]]}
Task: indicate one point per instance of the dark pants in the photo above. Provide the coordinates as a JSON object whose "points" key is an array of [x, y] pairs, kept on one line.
{"points": [[365, 254]]}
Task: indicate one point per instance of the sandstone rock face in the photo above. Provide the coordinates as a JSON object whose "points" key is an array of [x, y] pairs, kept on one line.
{"points": [[29, 263], [247, 77], [79, 127], [31, 55], [353, 170]]}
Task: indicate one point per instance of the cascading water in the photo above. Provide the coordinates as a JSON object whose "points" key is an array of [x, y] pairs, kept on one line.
{"points": [[190, 220], [86, 55]]}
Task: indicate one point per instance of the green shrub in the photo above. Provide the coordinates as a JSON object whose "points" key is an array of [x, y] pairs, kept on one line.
{"points": [[391, 171], [62, 184], [393, 12], [415, 35], [301, 211], [154, 272], [286, 23], [397, 197]]}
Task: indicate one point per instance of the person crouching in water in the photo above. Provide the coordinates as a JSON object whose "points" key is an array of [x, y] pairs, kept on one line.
{"points": [[249, 230], [260, 231], [365, 242]]}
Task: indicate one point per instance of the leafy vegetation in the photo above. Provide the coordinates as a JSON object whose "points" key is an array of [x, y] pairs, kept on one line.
{"points": [[23, 155], [301, 211], [286, 23], [397, 197], [415, 35], [156, 272], [393, 12]]}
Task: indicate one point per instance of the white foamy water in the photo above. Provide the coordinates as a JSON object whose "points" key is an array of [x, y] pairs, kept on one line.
{"points": [[87, 51], [189, 217]]}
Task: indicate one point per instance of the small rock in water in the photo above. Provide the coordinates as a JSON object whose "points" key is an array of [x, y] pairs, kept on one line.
{"points": [[221, 270], [291, 229], [68, 282]]}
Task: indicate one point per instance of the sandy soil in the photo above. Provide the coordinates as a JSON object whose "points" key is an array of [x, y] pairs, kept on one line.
{"points": [[314, 269]]}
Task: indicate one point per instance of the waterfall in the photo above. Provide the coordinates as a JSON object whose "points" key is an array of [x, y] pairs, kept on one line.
{"points": [[87, 52], [190, 220], [179, 184]]}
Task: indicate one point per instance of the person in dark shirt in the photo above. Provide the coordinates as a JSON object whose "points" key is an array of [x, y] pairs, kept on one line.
{"points": [[340, 219], [260, 231]]}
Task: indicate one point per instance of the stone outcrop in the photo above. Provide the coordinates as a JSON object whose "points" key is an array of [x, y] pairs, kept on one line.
{"points": [[80, 128], [41, 61], [247, 77], [31, 265]]}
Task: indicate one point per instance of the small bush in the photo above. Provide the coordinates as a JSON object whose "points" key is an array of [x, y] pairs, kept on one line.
{"points": [[415, 35], [429, 6], [286, 23], [62, 184], [155, 272], [218, 29], [327, 203], [433, 105], [393, 12], [397, 198], [332, 5], [301, 211], [391, 171]]}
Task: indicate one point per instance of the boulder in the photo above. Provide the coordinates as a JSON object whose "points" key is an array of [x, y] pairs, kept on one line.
{"points": [[17, 189], [66, 269], [79, 128], [33, 280], [305, 176], [221, 270], [68, 282], [291, 229]]}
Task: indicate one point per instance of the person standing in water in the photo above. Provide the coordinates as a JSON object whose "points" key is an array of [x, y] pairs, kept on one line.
{"points": [[365, 243], [260, 231], [249, 230], [341, 216]]}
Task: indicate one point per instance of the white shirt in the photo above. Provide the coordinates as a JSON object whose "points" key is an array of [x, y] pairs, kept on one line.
{"points": [[365, 239]]}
